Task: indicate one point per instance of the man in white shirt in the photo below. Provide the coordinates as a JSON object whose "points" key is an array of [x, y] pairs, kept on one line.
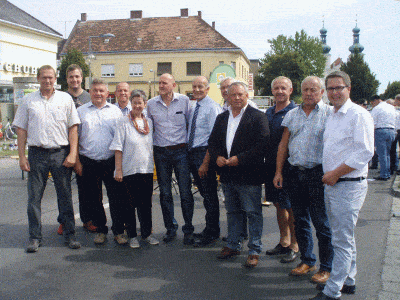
{"points": [[122, 94], [48, 121], [348, 147], [384, 116]]}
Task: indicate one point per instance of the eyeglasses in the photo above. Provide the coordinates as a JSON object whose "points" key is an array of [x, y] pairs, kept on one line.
{"points": [[336, 88]]}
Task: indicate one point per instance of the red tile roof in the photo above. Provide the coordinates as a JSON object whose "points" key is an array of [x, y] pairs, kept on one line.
{"points": [[148, 34]]}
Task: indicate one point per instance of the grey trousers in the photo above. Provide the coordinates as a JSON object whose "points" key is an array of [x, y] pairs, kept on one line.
{"points": [[42, 161]]}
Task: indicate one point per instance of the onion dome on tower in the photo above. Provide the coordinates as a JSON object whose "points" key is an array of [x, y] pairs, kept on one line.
{"points": [[356, 47], [325, 47]]}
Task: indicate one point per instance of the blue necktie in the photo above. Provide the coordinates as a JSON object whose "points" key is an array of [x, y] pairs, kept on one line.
{"points": [[193, 127]]}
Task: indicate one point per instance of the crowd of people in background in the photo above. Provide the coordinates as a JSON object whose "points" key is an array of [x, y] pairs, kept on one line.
{"points": [[312, 158]]}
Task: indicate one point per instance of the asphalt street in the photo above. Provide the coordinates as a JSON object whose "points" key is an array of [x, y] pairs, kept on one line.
{"points": [[166, 271]]}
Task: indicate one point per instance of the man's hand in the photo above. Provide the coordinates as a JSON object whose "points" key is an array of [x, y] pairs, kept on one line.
{"points": [[330, 178], [78, 168], [278, 180], [24, 164], [118, 175], [221, 161], [203, 170], [232, 161], [69, 161]]}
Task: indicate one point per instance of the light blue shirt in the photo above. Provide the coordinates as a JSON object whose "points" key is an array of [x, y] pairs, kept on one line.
{"points": [[126, 110], [97, 129], [207, 113], [170, 122], [306, 134]]}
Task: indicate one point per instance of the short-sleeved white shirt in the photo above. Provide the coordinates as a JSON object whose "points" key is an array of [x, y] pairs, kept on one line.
{"points": [[47, 120], [137, 148]]}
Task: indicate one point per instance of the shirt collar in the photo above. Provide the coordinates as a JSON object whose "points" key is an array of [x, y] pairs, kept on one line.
{"points": [[241, 111], [52, 94], [345, 107]]}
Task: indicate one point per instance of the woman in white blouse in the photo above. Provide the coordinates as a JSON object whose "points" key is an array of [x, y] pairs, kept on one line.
{"points": [[133, 145]]}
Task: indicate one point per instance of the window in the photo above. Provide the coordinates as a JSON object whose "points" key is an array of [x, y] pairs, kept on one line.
{"points": [[233, 65], [193, 68], [221, 62], [107, 71], [164, 67], [135, 69]]}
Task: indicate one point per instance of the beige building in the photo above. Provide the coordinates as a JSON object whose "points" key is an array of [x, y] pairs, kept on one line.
{"points": [[25, 45], [144, 48]]}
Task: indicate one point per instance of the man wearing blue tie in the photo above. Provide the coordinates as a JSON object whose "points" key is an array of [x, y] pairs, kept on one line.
{"points": [[201, 123]]}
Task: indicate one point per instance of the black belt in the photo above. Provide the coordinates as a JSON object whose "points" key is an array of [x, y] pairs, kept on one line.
{"points": [[351, 179], [303, 169], [173, 147], [384, 128], [199, 149], [51, 150]]}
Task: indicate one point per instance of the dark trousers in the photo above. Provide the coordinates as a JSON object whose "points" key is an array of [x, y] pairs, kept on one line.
{"points": [[94, 173], [42, 161], [208, 190], [394, 159], [139, 191], [306, 192]]}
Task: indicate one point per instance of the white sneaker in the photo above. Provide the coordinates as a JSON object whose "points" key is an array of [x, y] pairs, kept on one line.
{"points": [[134, 243], [151, 240]]}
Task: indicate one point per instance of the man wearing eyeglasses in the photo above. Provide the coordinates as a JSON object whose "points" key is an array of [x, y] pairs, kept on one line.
{"points": [[348, 147]]}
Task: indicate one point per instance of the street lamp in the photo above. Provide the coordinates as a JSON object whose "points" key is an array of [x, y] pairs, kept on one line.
{"points": [[91, 55], [154, 82]]}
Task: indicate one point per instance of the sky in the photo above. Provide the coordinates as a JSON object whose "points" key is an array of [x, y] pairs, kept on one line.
{"points": [[249, 25]]}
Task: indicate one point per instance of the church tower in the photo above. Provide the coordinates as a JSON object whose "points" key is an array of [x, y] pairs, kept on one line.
{"points": [[356, 47]]}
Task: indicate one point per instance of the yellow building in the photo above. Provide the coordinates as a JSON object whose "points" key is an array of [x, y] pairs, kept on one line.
{"points": [[144, 48], [25, 45]]}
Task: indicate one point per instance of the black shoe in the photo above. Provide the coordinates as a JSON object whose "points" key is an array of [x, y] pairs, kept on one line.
{"points": [[290, 256], [348, 289], [279, 249], [204, 240], [72, 243], [381, 178], [188, 239], [33, 246], [169, 236], [322, 296]]}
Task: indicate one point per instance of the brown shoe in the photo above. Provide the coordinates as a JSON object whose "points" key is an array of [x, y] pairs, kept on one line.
{"points": [[252, 261], [228, 253], [60, 229], [89, 226], [302, 269], [321, 277], [121, 239]]}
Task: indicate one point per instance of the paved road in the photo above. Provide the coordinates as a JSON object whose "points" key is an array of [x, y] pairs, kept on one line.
{"points": [[170, 271]]}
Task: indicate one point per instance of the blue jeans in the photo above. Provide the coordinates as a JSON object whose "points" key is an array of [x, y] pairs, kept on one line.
{"points": [[208, 190], [343, 203], [42, 161], [237, 199], [307, 195], [177, 160], [384, 138]]}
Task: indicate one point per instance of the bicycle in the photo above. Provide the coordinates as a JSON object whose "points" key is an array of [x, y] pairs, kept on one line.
{"points": [[10, 131]]}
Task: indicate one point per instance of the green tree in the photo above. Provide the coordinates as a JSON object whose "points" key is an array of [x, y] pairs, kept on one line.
{"points": [[73, 56], [294, 57], [392, 90], [363, 81]]}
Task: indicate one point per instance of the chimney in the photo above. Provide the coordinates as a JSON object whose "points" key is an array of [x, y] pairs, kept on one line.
{"points": [[136, 14], [213, 24], [83, 17], [184, 12], [199, 13]]}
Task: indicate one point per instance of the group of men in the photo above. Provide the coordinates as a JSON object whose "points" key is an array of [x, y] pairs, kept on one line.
{"points": [[313, 159]]}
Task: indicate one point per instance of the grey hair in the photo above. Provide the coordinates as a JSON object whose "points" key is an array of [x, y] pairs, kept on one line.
{"points": [[138, 93], [280, 78], [97, 81], [397, 97], [225, 79], [319, 80], [339, 74], [238, 83]]}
